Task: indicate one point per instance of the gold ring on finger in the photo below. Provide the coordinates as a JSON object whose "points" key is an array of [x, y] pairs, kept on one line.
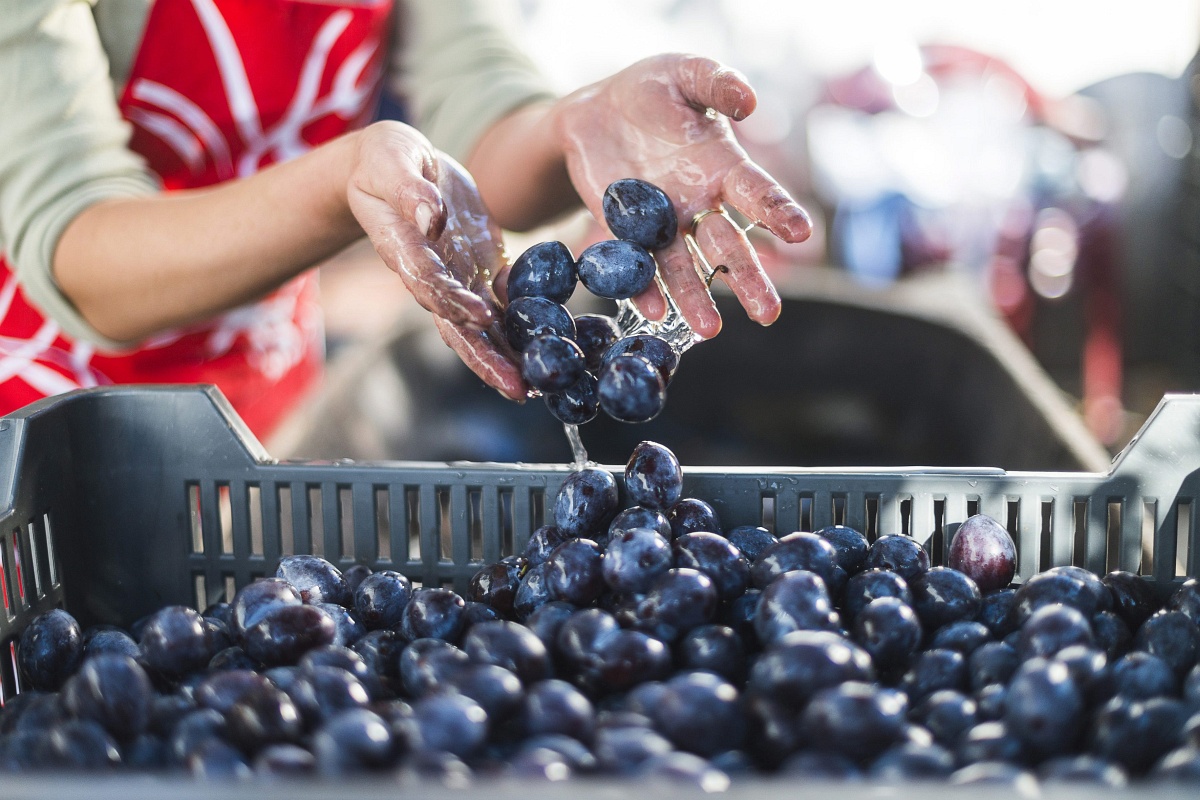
{"points": [[696, 219]]}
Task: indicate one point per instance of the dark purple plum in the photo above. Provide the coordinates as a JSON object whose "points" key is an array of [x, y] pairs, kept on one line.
{"points": [[347, 628], [286, 633], [546, 621], [1186, 599], [551, 363], [264, 716], [713, 555], [1052, 628], [699, 712], [496, 584], [623, 750], [50, 648], [795, 601], [1141, 676], [639, 517], [653, 477], [541, 542], [933, 670], [380, 599], [635, 559], [942, 595], [509, 645], [555, 706], [965, 636], [574, 571], [352, 741], [533, 591], [678, 600], [631, 389], [655, 349], [1044, 707], [996, 611], [354, 576], [1136, 733], [992, 663], [546, 269], [799, 551], [899, 554], [1083, 769], [529, 317], [595, 333], [850, 544], [855, 719], [909, 761], [863, 587], [585, 503], [716, 648], [615, 269], [578, 404], [289, 761], [946, 714], [624, 658], [450, 723], [640, 212], [1173, 637], [425, 663], [175, 642], [97, 641], [1050, 587], [691, 515], [890, 631], [434, 614], [1112, 634], [983, 550], [579, 636], [751, 540], [112, 690], [1133, 598], [254, 599], [316, 580]]}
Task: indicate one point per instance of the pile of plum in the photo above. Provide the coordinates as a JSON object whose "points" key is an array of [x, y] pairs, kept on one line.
{"points": [[583, 364], [648, 642]]}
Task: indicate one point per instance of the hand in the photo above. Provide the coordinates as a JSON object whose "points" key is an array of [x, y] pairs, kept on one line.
{"points": [[649, 121], [424, 216]]}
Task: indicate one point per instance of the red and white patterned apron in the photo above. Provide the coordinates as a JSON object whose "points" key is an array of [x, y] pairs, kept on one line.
{"points": [[218, 90]]}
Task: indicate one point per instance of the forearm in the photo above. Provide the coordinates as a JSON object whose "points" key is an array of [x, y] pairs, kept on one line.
{"points": [[520, 169], [135, 267]]}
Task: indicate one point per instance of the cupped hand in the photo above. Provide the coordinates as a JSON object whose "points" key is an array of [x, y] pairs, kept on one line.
{"points": [[423, 214], [666, 120]]}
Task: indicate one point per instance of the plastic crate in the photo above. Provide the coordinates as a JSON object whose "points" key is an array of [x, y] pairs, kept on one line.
{"points": [[118, 501]]}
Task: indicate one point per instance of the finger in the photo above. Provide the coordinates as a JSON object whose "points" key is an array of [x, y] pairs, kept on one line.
{"points": [[406, 252], [678, 268], [480, 353], [749, 189], [725, 245], [705, 84], [651, 303], [401, 168]]}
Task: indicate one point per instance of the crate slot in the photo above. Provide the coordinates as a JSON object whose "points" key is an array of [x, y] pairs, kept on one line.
{"points": [[412, 505], [51, 559], [287, 520], [1079, 532], [1114, 514], [35, 570], [1149, 523], [871, 517], [22, 592], [475, 524], [316, 519], [195, 518], [1183, 529], [504, 499], [806, 515], [225, 515], [383, 523], [537, 507], [255, 512], [767, 512], [906, 514], [199, 591], [973, 506], [837, 509], [9, 609], [938, 542], [345, 508], [231, 588]]}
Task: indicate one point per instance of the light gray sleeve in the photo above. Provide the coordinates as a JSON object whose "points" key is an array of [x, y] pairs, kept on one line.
{"points": [[63, 143], [459, 70]]}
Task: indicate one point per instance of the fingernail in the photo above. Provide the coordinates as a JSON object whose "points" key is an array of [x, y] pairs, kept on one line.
{"points": [[423, 217]]}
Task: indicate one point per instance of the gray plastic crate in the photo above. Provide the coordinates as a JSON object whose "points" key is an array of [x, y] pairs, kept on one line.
{"points": [[117, 501]]}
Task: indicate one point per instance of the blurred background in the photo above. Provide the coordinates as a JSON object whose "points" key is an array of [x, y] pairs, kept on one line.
{"points": [[1004, 271]]}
